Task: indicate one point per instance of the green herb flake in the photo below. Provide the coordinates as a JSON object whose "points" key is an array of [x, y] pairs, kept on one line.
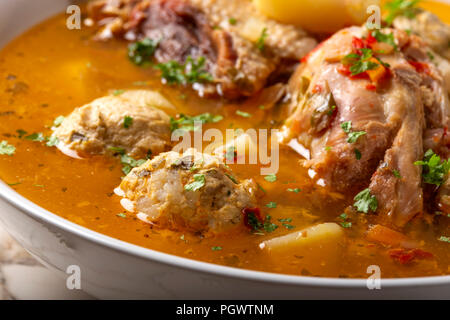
{"points": [[271, 205], [288, 226], [296, 190], [434, 170], [21, 133], [199, 182], [118, 92], [444, 239], [358, 154], [346, 126], [270, 178], [354, 136], [52, 141], [193, 71], [232, 21], [122, 215], [243, 114], [261, 42], [185, 123], [268, 225], [285, 220], [364, 201], [386, 38], [397, 8], [396, 174], [127, 122], [39, 137], [57, 122], [217, 248], [360, 63], [141, 52], [14, 184], [6, 148], [116, 150], [232, 178]]}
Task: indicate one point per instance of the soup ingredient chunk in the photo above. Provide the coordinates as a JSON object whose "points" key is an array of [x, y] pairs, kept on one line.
{"points": [[220, 47], [367, 105], [190, 191], [128, 123]]}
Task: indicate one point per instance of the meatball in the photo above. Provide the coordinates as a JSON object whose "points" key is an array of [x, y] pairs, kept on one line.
{"points": [[127, 122], [187, 192]]}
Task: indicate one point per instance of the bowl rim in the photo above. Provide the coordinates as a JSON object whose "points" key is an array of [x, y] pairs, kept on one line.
{"points": [[33, 210]]}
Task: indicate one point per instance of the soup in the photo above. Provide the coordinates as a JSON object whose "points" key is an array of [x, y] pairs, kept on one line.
{"points": [[51, 70]]}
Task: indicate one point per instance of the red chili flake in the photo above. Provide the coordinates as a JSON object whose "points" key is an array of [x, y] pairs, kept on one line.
{"points": [[252, 216], [371, 40], [317, 88], [358, 43], [371, 87], [420, 67], [405, 256]]}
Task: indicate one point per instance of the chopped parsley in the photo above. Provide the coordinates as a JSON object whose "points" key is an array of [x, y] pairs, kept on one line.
{"points": [[296, 190], [190, 72], [288, 226], [243, 114], [21, 133], [129, 163], [217, 248], [117, 150], [232, 178], [434, 170], [386, 38], [118, 92], [358, 154], [364, 201], [285, 220], [6, 148], [444, 239], [52, 141], [430, 55], [268, 225], [261, 42], [122, 215], [199, 182], [127, 122], [186, 123], [271, 205], [397, 8], [345, 223], [57, 122], [232, 21], [142, 52], [396, 174], [253, 220], [270, 178], [360, 63], [35, 137], [353, 136]]}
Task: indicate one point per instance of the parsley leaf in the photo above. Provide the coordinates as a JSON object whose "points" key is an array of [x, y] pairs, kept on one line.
{"points": [[296, 190], [141, 52], [386, 38], [444, 239], [243, 114], [360, 63], [396, 174], [129, 163], [354, 136], [364, 201], [397, 8], [199, 182], [346, 126], [190, 72], [358, 154], [6, 148], [187, 123], [232, 178], [127, 122], [434, 170], [35, 137], [217, 248], [271, 205], [270, 178], [57, 122], [52, 141], [268, 225], [261, 43]]}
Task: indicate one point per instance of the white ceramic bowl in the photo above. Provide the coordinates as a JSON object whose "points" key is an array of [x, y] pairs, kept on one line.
{"points": [[115, 269]]}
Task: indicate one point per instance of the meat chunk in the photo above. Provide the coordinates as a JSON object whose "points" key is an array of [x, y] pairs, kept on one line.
{"points": [[366, 120], [241, 47], [429, 27], [131, 122], [190, 191]]}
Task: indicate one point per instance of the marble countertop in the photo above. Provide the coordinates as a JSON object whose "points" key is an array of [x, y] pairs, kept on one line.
{"points": [[22, 277]]}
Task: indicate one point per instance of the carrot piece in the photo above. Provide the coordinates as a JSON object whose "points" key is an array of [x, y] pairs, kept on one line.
{"points": [[378, 73], [385, 235]]}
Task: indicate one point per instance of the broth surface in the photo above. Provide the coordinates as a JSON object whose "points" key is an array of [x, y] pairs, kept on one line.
{"points": [[51, 70]]}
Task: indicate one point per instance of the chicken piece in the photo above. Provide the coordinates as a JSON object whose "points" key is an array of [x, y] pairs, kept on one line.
{"points": [[241, 47], [367, 122], [429, 27], [128, 122], [190, 191]]}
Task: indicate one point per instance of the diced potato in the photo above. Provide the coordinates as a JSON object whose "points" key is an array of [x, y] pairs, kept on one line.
{"points": [[317, 15], [252, 29], [317, 248], [319, 236]]}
